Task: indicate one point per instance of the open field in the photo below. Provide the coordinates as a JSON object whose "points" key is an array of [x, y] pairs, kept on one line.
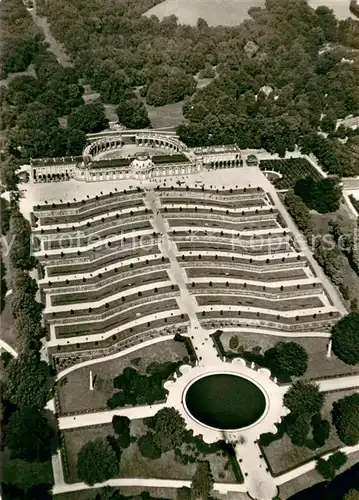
{"points": [[282, 455], [318, 364], [229, 12], [75, 395], [133, 464]]}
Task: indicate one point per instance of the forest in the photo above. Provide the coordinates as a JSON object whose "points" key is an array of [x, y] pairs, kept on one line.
{"points": [[303, 56]]}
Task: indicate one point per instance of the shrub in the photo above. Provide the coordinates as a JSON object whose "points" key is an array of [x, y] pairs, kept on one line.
{"points": [[233, 342]]}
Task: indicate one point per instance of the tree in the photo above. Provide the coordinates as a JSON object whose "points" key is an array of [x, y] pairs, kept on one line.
{"points": [[148, 446], [328, 468], [345, 415], [298, 210], [3, 285], [322, 195], [345, 337], [132, 113], [321, 429], [304, 398], [29, 435], [184, 493], [20, 234], [5, 215], [88, 118], [28, 381], [338, 459], [169, 429], [76, 141], [96, 462], [202, 481], [298, 428], [289, 358], [121, 426]]}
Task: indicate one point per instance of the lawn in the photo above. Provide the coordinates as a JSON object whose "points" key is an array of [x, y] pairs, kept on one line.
{"points": [[283, 455], [291, 169], [168, 116], [133, 464], [75, 396], [318, 364]]}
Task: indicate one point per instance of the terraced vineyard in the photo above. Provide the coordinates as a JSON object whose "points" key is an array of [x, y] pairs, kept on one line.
{"points": [[107, 278]]}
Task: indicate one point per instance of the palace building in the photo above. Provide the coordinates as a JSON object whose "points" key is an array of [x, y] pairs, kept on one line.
{"points": [[136, 154]]}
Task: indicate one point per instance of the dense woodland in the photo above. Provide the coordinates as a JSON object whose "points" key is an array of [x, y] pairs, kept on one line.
{"points": [[124, 55]]}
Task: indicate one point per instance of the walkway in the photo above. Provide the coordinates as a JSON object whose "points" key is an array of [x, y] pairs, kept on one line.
{"points": [[149, 483], [105, 417]]}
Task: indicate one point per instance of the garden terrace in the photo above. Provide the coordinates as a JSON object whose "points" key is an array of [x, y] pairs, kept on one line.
{"points": [[257, 223], [204, 269], [219, 202], [281, 304], [248, 238], [138, 333], [77, 207], [232, 247], [232, 214], [100, 259], [71, 240], [101, 309], [257, 260], [91, 212], [274, 290], [117, 320], [103, 292], [103, 276], [222, 191], [288, 319], [291, 169], [93, 222]]}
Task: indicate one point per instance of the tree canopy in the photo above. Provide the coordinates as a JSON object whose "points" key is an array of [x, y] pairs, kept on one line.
{"points": [[29, 435], [88, 118], [27, 381], [345, 337], [346, 419], [304, 398], [96, 462], [322, 195], [289, 358]]}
